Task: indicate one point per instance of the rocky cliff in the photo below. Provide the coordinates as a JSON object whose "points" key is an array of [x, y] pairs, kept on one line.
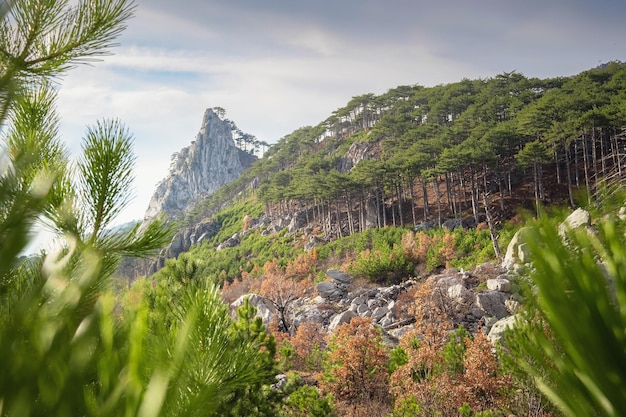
{"points": [[211, 161]]}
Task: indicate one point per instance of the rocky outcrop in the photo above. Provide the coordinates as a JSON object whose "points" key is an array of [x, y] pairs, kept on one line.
{"points": [[182, 242], [578, 218], [357, 152], [460, 293], [211, 161]]}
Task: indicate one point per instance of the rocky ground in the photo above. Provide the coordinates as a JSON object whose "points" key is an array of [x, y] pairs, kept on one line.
{"points": [[483, 299]]}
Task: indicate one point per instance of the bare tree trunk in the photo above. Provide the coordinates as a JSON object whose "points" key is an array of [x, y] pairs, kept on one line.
{"points": [[339, 231], [449, 194], [492, 229], [436, 188], [350, 218], [411, 186], [425, 194], [558, 168], [400, 197], [576, 162], [536, 182], [586, 167], [569, 179], [474, 190]]}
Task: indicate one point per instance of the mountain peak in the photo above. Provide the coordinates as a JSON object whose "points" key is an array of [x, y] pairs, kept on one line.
{"points": [[198, 170]]}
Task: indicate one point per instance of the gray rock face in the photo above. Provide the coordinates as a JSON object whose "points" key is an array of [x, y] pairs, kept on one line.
{"points": [[578, 218], [183, 240], [357, 152], [330, 291], [492, 303], [497, 330], [211, 161], [340, 319], [515, 250], [265, 309]]}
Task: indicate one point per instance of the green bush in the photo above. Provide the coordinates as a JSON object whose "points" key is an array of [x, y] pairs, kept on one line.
{"points": [[571, 337]]}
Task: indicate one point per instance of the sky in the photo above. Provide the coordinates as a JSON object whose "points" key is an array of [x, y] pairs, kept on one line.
{"points": [[277, 65]]}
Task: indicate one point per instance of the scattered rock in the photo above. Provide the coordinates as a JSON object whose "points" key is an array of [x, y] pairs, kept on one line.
{"points": [[339, 277], [281, 381], [265, 309], [379, 313], [492, 303], [231, 242], [499, 284], [330, 291], [578, 218], [339, 319], [496, 334]]}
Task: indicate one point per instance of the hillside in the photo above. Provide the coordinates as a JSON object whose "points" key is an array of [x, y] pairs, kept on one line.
{"points": [[417, 153], [421, 157], [391, 219]]}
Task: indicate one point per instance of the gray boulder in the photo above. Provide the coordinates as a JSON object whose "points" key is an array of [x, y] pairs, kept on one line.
{"points": [[341, 318], [379, 313], [496, 334], [493, 303], [330, 291], [339, 277], [513, 252], [578, 218], [499, 284], [265, 309], [459, 293]]}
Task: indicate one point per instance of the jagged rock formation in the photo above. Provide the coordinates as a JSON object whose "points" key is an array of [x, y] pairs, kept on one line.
{"points": [[211, 161]]}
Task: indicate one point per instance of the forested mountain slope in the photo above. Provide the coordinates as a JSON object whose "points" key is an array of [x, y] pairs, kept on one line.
{"points": [[430, 153]]}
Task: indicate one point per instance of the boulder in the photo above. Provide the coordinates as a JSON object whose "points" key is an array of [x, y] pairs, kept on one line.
{"points": [[265, 309], [499, 284], [330, 291], [379, 313], [578, 218], [281, 382], [359, 300], [496, 334], [362, 309], [452, 224], [523, 254], [341, 318], [339, 277], [512, 256], [459, 293], [231, 242], [492, 303]]}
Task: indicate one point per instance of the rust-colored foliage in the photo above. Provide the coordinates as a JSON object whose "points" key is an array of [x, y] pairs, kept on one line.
{"points": [[409, 247], [303, 266], [481, 376], [247, 222], [422, 248], [448, 250], [357, 363], [281, 291], [308, 343], [249, 282], [426, 378]]}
